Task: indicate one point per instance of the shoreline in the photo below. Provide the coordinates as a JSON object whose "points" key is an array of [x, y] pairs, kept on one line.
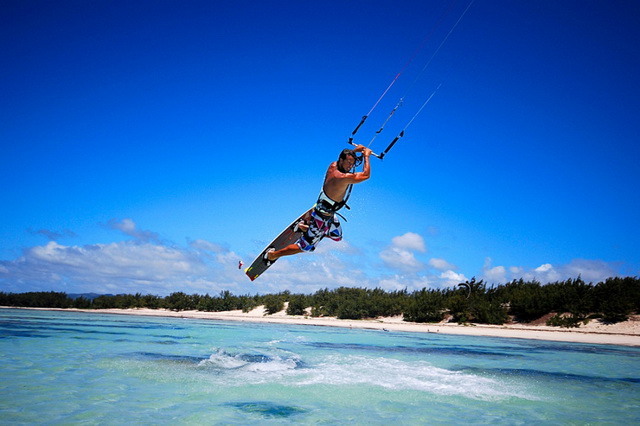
{"points": [[624, 334]]}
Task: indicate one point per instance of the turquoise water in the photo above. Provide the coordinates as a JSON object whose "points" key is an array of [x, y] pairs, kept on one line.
{"points": [[68, 368]]}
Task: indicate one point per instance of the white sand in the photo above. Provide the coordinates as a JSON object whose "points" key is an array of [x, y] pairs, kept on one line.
{"points": [[626, 333]]}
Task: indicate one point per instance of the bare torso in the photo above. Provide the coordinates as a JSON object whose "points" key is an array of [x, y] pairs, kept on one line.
{"points": [[336, 182]]}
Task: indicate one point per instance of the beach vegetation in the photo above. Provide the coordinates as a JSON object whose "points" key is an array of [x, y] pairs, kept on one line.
{"points": [[274, 303], [617, 298], [528, 300], [298, 304], [567, 303], [426, 305], [567, 320], [36, 299]]}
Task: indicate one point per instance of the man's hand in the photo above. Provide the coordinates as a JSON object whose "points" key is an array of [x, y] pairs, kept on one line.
{"points": [[365, 151]]}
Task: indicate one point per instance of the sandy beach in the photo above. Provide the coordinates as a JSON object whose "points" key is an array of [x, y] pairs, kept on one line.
{"points": [[626, 333]]}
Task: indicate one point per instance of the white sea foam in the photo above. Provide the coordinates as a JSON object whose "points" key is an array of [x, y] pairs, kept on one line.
{"points": [[222, 360], [401, 375], [254, 363]]}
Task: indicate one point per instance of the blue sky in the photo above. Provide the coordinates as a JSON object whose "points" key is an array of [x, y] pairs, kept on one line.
{"points": [[148, 146]]}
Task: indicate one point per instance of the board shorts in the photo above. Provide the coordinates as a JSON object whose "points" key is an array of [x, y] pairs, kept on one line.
{"points": [[320, 226]]}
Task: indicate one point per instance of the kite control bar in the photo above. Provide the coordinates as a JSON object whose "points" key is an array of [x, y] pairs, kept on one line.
{"points": [[372, 153], [393, 142]]}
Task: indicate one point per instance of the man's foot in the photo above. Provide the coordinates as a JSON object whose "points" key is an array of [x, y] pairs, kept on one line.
{"points": [[301, 227], [268, 256]]}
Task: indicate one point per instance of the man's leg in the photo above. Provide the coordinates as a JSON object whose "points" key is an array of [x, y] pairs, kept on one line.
{"points": [[313, 231], [287, 251]]}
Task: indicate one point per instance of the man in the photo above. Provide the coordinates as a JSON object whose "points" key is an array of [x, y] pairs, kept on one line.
{"points": [[321, 220]]}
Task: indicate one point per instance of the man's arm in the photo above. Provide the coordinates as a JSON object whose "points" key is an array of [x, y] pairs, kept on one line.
{"points": [[336, 182], [366, 168]]}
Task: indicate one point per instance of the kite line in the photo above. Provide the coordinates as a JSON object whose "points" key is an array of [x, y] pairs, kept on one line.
{"points": [[402, 98]]}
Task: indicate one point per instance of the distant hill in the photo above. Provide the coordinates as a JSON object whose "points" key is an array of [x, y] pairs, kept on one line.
{"points": [[89, 296]]}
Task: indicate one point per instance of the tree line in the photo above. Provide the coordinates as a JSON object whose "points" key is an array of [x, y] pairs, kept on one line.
{"points": [[571, 302]]}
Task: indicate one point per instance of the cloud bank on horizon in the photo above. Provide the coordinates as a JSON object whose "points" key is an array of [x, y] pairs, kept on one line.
{"points": [[145, 264]]}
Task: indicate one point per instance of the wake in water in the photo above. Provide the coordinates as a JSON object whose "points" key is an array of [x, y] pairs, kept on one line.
{"points": [[287, 369]]}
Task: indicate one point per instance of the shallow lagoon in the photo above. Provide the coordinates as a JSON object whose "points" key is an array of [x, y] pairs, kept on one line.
{"points": [[69, 367]]}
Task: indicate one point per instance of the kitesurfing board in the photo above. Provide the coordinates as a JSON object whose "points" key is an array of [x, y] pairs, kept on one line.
{"points": [[286, 238]]}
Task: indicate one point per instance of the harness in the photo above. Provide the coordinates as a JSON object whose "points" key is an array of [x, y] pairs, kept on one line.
{"points": [[327, 207]]}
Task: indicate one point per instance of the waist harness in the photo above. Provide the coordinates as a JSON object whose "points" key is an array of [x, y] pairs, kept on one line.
{"points": [[327, 207]]}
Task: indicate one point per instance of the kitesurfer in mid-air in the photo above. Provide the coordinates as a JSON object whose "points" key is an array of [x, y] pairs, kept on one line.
{"points": [[321, 220]]}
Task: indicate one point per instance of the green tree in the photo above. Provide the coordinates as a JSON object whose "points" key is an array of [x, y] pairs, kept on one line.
{"points": [[179, 302], [425, 306], [527, 301], [298, 304], [273, 303], [617, 298]]}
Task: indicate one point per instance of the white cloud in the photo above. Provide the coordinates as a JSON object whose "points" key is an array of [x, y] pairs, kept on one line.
{"points": [[409, 241], [206, 246], [449, 278], [544, 273], [309, 272], [400, 282], [329, 246], [589, 270], [516, 270], [397, 258], [127, 267], [400, 254], [128, 227], [495, 274], [441, 264], [544, 268]]}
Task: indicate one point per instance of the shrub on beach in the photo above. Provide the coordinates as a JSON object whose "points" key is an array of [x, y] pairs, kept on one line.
{"points": [[298, 304], [425, 306], [273, 303]]}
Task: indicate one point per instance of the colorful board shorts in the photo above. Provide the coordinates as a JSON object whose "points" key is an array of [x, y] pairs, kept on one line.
{"points": [[319, 227]]}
